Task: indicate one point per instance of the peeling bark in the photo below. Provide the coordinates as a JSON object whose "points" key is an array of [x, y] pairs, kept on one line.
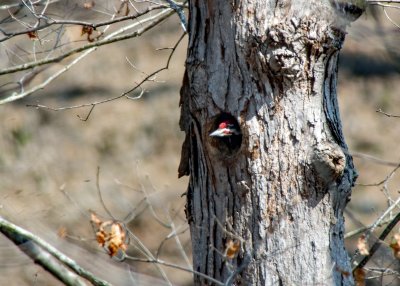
{"points": [[272, 65]]}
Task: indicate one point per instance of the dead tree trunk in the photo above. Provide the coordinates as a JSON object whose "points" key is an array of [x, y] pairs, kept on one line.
{"points": [[279, 188]]}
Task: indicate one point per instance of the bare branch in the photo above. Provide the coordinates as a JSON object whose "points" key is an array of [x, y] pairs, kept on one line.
{"points": [[44, 259], [387, 114], [146, 252], [167, 264], [178, 242], [156, 19], [374, 159], [364, 228], [88, 115], [132, 237], [159, 70], [373, 2], [381, 272], [50, 22], [383, 181], [125, 94], [37, 3], [175, 234], [380, 219], [377, 244], [178, 9], [389, 18], [379, 222], [99, 191], [107, 40], [36, 246], [239, 269]]}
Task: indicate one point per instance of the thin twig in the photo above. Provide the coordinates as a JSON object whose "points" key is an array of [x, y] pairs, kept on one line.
{"points": [[239, 269], [15, 5], [158, 19], [168, 237], [383, 181], [377, 244], [377, 222], [87, 115], [374, 159], [380, 219], [231, 232], [133, 213], [100, 195], [387, 114], [52, 22], [364, 228], [382, 1], [65, 193], [178, 241], [146, 252], [167, 264], [161, 69], [125, 94], [178, 9], [175, 234], [382, 272], [112, 38]]}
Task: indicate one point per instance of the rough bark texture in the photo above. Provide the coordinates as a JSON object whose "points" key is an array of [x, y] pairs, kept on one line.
{"points": [[272, 66]]}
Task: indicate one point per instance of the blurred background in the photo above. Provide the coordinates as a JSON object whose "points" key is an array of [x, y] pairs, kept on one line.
{"points": [[49, 159]]}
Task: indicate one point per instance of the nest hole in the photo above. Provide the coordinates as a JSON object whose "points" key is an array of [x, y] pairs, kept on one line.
{"points": [[226, 141]]}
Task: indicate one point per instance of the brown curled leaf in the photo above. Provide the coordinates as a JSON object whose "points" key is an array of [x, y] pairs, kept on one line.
{"points": [[232, 248], [362, 245]]}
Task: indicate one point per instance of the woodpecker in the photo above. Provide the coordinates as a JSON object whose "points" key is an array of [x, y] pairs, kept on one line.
{"points": [[225, 129]]}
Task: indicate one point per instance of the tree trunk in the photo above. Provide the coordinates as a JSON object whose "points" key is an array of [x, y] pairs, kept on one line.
{"points": [[279, 189]]}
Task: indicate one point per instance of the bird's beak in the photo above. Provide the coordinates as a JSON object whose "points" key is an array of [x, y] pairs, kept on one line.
{"points": [[218, 133]]}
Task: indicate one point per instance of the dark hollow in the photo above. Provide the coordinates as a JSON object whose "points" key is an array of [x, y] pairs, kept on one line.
{"points": [[230, 145]]}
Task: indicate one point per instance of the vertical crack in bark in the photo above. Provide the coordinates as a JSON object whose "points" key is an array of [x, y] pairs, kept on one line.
{"points": [[213, 264], [184, 123], [330, 101]]}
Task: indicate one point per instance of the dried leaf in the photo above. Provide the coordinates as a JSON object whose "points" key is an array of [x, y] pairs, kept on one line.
{"points": [[117, 239], [33, 35], [88, 5], [232, 248], [359, 276], [101, 238], [110, 235], [395, 245], [86, 30], [362, 245], [62, 232], [343, 272], [94, 219]]}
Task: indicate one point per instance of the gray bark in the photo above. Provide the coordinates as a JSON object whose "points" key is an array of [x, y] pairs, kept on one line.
{"points": [[272, 66]]}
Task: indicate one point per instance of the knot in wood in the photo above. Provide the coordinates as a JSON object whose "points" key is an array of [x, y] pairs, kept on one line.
{"points": [[329, 161], [282, 61], [280, 54]]}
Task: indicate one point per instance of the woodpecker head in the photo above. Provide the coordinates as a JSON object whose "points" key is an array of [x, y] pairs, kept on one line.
{"points": [[225, 129]]}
